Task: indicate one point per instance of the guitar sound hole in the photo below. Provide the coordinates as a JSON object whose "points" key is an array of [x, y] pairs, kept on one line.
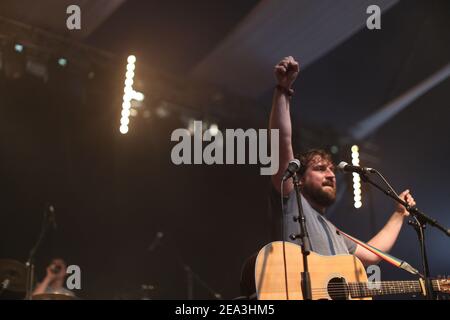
{"points": [[338, 289]]}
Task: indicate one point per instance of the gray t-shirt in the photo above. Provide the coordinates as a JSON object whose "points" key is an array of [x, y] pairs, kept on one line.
{"points": [[324, 238]]}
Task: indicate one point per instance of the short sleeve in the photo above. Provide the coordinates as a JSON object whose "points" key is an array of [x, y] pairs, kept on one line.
{"points": [[351, 246]]}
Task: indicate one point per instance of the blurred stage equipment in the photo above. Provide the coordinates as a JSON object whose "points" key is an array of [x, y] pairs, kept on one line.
{"points": [[13, 276], [191, 276], [48, 221], [373, 122], [53, 296], [27, 48], [13, 60]]}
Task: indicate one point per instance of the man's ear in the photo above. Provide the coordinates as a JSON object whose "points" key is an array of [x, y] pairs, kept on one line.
{"points": [[301, 181]]}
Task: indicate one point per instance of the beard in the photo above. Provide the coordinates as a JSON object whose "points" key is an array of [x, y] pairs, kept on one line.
{"points": [[319, 195]]}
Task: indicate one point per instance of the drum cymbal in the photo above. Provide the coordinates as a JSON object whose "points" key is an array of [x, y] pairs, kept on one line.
{"points": [[53, 296], [15, 272]]}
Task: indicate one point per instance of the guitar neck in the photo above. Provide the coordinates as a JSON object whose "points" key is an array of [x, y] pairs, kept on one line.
{"points": [[361, 290]]}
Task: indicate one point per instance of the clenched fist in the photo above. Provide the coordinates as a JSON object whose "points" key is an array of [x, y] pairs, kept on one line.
{"points": [[408, 198], [286, 71]]}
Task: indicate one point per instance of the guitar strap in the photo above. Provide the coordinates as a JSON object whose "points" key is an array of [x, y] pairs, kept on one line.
{"points": [[383, 255]]}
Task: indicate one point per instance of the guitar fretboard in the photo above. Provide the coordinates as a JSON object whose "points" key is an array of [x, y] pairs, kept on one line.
{"points": [[361, 290]]}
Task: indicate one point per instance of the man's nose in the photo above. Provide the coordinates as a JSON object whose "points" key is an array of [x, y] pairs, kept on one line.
{"points": [[330, 174]]}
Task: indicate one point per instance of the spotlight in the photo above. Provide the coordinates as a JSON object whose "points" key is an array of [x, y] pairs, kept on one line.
{"points": [[18, 47], [138, 96], [129, 94], [123, 129], [162, 111], [124, 121], [356, 179], [131, 59], [62, 62], [214, 129]]}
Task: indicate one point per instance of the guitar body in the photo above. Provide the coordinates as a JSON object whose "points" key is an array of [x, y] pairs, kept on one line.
{"points": [[327, 273]]}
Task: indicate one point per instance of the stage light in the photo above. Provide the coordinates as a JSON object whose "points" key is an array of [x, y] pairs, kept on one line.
{"points": [[334, 149], [131, 59], [128, 82], [162, 112], [18, 47], [123, 129], [129, 95], [129, 75], [214, 129], [138, 96], [130, 67], [62, 62], [124, 121], [13, 61], [357, 192], [128, 90], [125, 113], [126, 105]]}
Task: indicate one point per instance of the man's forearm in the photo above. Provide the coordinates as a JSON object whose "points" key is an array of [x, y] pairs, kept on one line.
{"points": [[41, 287], [280, 119], [386, 237], [286, 72]]}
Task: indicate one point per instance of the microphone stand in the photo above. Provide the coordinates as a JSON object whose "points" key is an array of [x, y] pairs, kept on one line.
{"points": [[30, 262], [421, 219], [191, 277], [305, 244]]}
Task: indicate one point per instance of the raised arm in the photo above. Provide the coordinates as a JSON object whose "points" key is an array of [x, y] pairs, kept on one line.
{"points": [[286, 72], [386, 237]]}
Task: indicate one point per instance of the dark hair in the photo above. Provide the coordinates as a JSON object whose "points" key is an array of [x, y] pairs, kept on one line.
{"points": [[306, 157]]}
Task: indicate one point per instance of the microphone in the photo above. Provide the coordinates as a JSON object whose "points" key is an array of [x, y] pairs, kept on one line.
{"points": [[51, 216], [345, 167], [159, 235], [55, 269], [293, 167]]}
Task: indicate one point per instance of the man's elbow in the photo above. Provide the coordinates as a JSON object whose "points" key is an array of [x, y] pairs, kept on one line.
{"points": [[367, 258], [369, 261]]}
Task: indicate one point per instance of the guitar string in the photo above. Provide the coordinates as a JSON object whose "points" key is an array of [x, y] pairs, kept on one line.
{"points": [[394, 288], [389, 287], [365, 291]]}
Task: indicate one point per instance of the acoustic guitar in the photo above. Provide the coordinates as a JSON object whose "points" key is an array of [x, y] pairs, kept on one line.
{"points": [[340, 277]]}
